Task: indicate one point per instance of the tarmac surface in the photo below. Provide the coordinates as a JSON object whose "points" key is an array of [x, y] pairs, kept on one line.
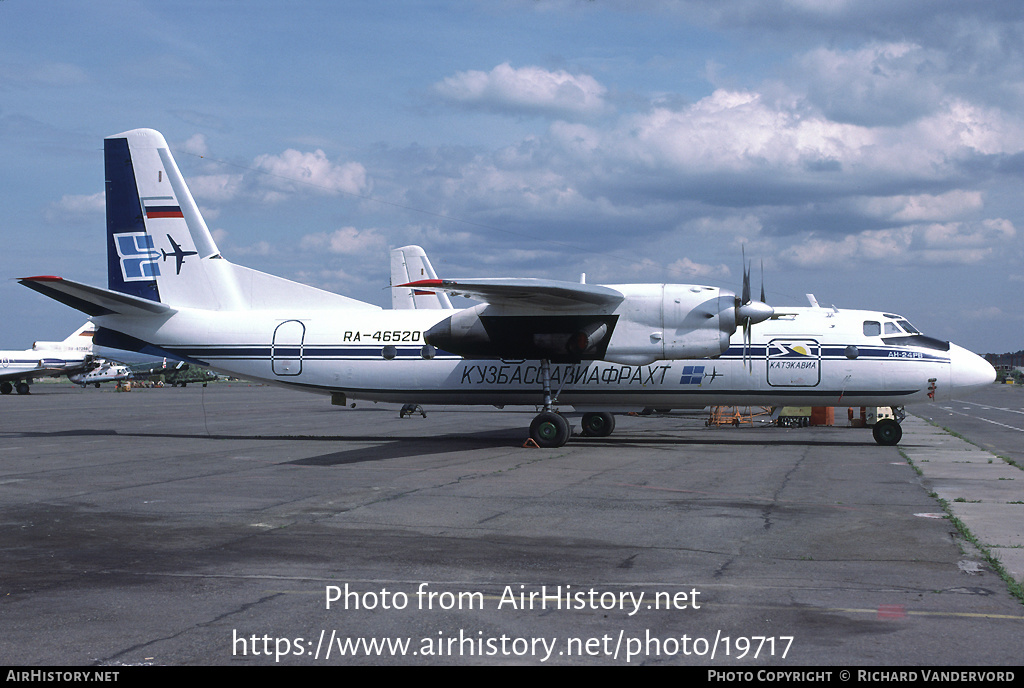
{"points": [[210, 526]]}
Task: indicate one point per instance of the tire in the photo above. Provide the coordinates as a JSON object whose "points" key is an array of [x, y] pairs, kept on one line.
{"points": [[6, 388], [549, 430], [22, 388], [887, 432], [598, 424]]}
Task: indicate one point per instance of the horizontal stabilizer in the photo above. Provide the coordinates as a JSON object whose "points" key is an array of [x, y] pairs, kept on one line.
{"points": [[525, 292], [93, 301]]}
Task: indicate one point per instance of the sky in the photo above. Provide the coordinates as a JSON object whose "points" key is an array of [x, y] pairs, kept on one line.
{"points": [[870, 152]]}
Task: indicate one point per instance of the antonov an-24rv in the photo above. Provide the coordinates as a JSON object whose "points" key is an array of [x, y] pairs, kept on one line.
{"points": [[598, 349]]}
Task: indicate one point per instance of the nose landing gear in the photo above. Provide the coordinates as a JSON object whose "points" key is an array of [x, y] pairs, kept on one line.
{"points": [[888, 432]]}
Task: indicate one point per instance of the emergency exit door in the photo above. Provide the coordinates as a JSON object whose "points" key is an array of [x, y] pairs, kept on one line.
{"points": [[286, 349]]}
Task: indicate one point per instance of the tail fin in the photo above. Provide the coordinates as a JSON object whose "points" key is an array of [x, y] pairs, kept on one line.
{"points": [[79, 340], [159, 247], [155, 232], [410, 264]]}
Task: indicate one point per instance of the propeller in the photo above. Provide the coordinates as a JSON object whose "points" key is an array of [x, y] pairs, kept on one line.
{"points": [[749, 312]]}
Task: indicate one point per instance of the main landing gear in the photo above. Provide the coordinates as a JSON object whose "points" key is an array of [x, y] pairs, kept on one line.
{"points": [[888, 432], [7, 387], [550, 429]]}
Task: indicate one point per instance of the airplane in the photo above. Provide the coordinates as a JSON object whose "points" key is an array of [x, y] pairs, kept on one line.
{"points": [[594, 349], [74, 355], [106, 371]]}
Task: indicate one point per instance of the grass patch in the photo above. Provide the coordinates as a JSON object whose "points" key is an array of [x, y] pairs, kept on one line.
{"points": [[1015, 588]]}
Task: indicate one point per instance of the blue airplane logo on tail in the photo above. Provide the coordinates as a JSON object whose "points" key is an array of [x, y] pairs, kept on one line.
{"points": [[178, 254]]}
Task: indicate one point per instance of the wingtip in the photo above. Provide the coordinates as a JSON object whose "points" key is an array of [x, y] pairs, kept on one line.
{"points": [[41, 278], [423, 283]]}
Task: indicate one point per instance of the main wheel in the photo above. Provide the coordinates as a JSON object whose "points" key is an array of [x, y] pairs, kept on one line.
{"points": [[887, 432], [22, 388], [550, 430], [6, 388], [598, 424]]}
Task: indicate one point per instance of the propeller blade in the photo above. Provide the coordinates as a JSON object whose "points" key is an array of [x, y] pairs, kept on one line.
{"points": [[746, 278], [763, 299]]}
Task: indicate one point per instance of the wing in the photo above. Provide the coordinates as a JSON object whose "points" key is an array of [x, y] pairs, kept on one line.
{"points": [[526, 318], [44, 367], [525, 292]]}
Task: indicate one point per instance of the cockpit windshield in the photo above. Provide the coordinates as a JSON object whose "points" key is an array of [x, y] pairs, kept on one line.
{"points": [[907, 327], [899, 332]]}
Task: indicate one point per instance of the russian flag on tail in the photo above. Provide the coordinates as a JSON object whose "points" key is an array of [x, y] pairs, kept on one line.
{"points": [[161, 206]]}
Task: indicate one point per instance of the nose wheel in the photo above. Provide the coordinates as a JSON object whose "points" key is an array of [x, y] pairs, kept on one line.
{"points": [[887, 432]]}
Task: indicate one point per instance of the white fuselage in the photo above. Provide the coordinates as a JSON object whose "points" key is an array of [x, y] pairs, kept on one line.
{"points": [[807, 356], [40, 362]]}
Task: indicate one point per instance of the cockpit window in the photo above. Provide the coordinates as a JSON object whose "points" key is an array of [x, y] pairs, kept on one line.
{"points": [[908, 327], [890, 328], [872, 328]]}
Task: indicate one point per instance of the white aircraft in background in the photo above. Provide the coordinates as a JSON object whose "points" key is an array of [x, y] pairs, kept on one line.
{"points": [[74, 355], [598, 349], [106, 371]]}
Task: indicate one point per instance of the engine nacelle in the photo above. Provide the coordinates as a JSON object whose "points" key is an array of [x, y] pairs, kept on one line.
{"points": [[652, 322], [487, 331], [672, 321]]}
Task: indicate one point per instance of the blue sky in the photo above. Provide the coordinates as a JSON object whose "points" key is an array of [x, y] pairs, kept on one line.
{"points": [[869, 152]]}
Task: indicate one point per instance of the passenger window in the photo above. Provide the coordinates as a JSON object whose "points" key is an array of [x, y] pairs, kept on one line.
{"points": [[872, 329]]}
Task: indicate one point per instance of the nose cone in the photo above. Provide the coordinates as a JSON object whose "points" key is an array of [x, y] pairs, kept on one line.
{"points": [[968, 371]]}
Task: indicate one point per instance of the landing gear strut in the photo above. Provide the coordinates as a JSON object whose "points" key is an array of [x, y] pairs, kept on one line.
{"points": [[549, 429]]}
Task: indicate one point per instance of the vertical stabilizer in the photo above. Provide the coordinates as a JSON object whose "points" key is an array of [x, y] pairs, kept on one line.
{"points": [[158, 245], [160, 249], [410, 264], [79, 340]]}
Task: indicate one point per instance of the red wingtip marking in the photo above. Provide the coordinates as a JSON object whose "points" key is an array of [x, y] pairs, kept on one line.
{"points": [[424, 283], [45, 278]]}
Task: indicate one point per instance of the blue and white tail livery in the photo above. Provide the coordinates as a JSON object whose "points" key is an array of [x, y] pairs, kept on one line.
{"points": [[160, 248], [565, 346]]}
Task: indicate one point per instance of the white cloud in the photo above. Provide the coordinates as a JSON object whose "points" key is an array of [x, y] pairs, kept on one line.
{"points": [[526, 89], [215, 188], [878, 84], [87, 203], [688, 268], [73, 207], [922, 207], [347, 240], [952, 243], [292, 170], [275, 178], [196, 145]]}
